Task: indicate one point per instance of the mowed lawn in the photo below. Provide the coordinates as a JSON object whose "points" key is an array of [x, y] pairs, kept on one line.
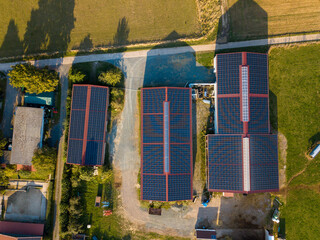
{"points": [[48, 25], [295, 81], [254, 19]]}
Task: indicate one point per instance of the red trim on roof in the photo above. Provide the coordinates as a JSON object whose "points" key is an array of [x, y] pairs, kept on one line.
{"points": [[32, 229], [85, 131], [234, 95], [141, 144]]}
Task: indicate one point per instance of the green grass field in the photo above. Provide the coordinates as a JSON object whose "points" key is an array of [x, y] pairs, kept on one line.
{"points": [[44, 26], [295, 81], [257, 19]]}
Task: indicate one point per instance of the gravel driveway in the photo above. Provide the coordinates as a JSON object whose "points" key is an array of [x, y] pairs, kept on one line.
{"points": [[172, 70]]}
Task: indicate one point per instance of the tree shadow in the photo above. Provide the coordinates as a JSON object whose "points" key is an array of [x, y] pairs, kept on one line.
{"points": [[314, 139], [11, 44], [86, 43], [49, 27], [122, 34]]}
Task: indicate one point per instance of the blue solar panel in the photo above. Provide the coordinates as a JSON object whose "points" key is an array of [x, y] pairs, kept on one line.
{"points": [[153, 100], [96, 125], [94, 151], [77, 124], [259, 115], [179, 128], [264, 162], [98, 99], [75, 151], [225, 162], [176, 143], [79, 97], [152, 128], [153, 159], [179, 187], [229, 116], [258, 67], [180, 158], [154, 187], [179, 100], [91, 134], [228, 73]]}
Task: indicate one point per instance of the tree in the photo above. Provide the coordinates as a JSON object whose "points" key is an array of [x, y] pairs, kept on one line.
{"points": [[35, 80], [4, 180], [44, 159], [3, 143], [112, 77], [76, 76]]}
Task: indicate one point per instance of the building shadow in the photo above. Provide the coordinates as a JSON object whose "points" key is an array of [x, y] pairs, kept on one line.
{"points": [[244, 20], [175, 69], [273, 108]]}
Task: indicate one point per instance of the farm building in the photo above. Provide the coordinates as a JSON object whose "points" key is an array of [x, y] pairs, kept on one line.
{"points": [[20, 231], [88, 122], [27, 135], [242, 156], [166, 144]]}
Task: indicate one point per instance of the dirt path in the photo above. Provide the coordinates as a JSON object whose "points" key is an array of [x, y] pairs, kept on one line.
{"points": [[63, 72]]}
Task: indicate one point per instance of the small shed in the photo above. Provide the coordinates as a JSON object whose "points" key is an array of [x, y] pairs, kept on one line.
{"points": [[206, 234], [45, 98], [315, 151]]}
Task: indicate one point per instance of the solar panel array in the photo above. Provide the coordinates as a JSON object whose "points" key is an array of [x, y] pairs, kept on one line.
{"points": [[236, 105], [258, 73], [228, 73], [264, 162], [166, 144], [225, 162], [229, 120], [243, 156], [88, 116]]}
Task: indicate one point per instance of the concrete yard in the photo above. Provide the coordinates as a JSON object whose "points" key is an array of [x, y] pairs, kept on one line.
{"points": [[26, 201]]}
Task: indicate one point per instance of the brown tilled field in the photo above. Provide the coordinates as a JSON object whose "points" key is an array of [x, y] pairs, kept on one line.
{"points": [[254, 19]]}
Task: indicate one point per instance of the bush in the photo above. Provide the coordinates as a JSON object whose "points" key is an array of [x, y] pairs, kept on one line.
{"points": [[76, 76], [35, 80], [44, 160], [113, 77], [117, 100]]}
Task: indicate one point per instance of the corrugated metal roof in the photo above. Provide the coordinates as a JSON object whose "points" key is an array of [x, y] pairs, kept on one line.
{"points": [[27, 134]]}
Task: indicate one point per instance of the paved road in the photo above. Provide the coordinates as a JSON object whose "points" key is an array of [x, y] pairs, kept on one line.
{"points": [[166, 51]]}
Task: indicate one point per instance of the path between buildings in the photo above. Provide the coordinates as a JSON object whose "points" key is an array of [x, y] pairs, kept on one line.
{"points": [[63, 71], [167, 51]]}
